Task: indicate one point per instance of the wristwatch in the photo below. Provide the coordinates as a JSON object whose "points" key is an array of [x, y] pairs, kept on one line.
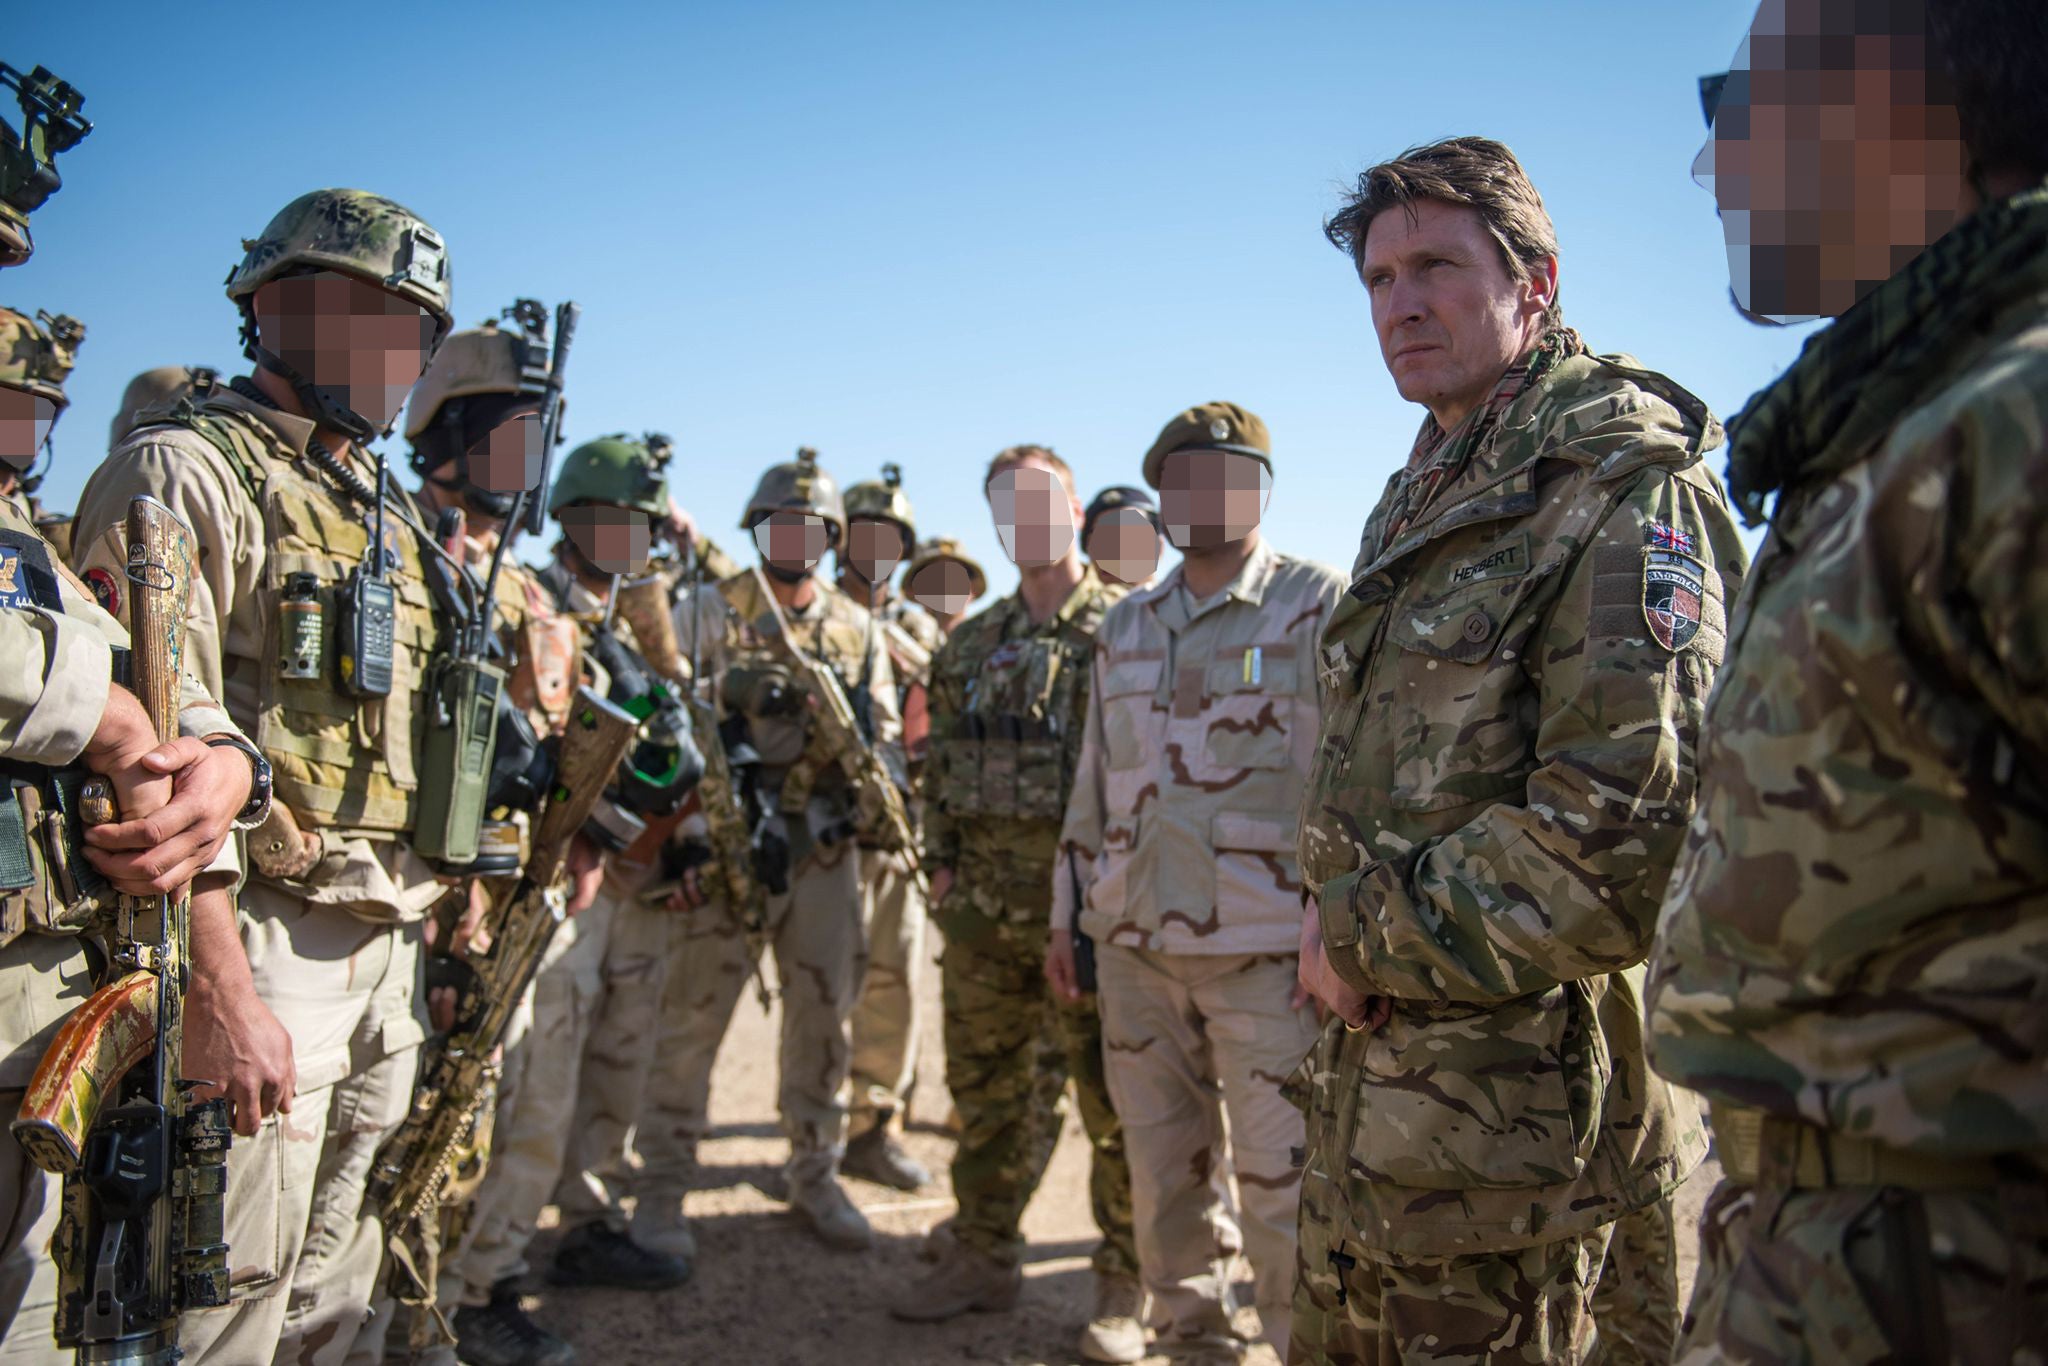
{"points": [[257, 810]]}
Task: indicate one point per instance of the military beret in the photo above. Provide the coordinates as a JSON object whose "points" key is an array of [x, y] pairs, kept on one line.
{"points": [[1113, 497], [1210, 427]]}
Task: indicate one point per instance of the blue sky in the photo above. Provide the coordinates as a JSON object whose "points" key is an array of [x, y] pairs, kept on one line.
{"points": [[895, 232]]}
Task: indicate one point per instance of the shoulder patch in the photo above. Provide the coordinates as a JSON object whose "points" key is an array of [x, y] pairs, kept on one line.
{"points": [[106, 591], [26, 577], [1674, 592]]}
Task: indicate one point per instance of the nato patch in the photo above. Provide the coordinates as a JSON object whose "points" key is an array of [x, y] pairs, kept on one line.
{"points": [[106, 591], [1674, 595]]}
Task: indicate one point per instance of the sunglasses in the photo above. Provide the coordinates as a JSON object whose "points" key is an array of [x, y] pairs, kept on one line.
{"points": [[1710, 95]]}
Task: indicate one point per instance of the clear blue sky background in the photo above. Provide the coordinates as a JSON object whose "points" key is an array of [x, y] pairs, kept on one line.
{"points": [[895, 232]]}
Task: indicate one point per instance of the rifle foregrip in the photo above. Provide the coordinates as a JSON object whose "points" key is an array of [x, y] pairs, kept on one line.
{"points": [[102, 1039]]}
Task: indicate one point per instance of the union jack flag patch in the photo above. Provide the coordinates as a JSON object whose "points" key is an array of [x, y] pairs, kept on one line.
{"points": [[1664, 536]]}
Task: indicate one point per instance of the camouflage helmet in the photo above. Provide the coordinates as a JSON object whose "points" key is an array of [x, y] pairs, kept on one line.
{"points": [[483, 360], [883, 500], [36, 354], [358, 234], [797, 486], [612, 469], [946, 548], [155, 389]]}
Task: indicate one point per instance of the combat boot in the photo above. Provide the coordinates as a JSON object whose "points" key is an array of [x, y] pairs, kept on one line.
{"points": [[825, 1207], [500, 1334], [939, 1242], [965, 1279], [1117, 1330], [659, 1226], [876, 1156], [596, 1254]]}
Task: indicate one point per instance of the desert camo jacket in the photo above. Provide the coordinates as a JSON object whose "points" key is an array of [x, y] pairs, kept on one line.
{"points": [[1513, 685], [1857, 931], [1202, 721]]}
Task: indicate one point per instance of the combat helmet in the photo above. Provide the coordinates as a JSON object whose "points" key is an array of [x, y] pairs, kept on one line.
{"points": [[946, 548], [476, 378], [798, 486], [36, 355], [612, 469], [353, 233], [883, 500]]}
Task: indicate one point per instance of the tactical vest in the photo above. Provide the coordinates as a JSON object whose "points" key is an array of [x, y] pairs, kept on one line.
{"points": [[337, 761], [1014, 746]]}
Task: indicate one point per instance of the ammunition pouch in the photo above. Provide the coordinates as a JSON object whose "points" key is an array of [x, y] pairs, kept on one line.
{"points": [[45, 883], [1006, 766]]}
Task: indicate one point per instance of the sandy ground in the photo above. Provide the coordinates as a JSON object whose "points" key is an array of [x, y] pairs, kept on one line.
{"points": [[766, 1292]]}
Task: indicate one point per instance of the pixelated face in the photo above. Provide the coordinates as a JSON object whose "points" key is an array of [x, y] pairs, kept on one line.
{"points": [[793, 542], [363, 345], [942, 587], [1035, 514], [507, 460], [1450, 316], [1123, 545], [25, 422], [1831, 159], [1211, 498], [874, 548], [615, 539]]}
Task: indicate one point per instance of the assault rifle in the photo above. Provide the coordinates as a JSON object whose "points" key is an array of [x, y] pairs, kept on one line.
{"points": [[411, 1170], [840, 730], [140, 1235]]}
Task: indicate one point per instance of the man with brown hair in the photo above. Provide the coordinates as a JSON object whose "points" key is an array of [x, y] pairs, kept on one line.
{"points": [[1512, 688]]}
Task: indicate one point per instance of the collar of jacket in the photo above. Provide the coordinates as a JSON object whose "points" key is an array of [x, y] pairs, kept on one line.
{"points": [[1856, 378], [1085, 593], [287, 433], [1249, 586]]}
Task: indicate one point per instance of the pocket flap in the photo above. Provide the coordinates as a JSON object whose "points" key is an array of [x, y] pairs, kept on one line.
{"points": [[1127, 676], [1244, 831]]}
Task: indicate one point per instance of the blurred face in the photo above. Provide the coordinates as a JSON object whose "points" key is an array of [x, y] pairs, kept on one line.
{"points": [[25, 422], [507, 459], [361, 345], [1123, 545], [792, 542], [1832, 162], [1449, 315], [615, 539], [943, 588], [1209, 499], [874, 548], [1035, 514]]}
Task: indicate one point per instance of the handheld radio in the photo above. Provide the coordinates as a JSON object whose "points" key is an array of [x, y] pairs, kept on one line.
{"points": [[368, 615]]}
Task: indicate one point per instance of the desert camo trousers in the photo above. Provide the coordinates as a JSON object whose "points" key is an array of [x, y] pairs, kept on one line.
{"points": [[885, 1021], [1864, 1274], [1188, 1038], [304, 1255], [1010, 1048], [814, 932], [41, 977]]}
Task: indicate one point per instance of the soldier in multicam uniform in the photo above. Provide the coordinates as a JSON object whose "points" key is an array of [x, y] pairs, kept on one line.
{"points": [[885, 1023], [60, 707], [955, 582], [808, 821], [1853, 959], [270, 474], [1203, 715], [1513, 685], [1009, 695]]}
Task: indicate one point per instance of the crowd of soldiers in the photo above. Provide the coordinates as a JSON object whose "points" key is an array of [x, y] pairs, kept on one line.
{"points": [[1410, 934]]}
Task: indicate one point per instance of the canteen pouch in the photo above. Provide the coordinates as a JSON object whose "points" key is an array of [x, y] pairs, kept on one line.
{"points": [[457, 746]]}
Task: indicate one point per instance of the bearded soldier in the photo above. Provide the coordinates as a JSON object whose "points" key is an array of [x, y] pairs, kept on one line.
{"points": [[806, 817], [1512, 688], [344, 297], [1853, 961], [1009, 694], [880, 533]]}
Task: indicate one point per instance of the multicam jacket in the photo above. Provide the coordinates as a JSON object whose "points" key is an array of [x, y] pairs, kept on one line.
{"points": [[1856, 934], [1009, 697], [1513, 685], [1202, 721]]}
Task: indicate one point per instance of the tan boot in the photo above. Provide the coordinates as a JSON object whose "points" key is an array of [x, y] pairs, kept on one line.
{"points": [[1117, 1330], [659, 1226], [965, 1279], [824, 1206]]}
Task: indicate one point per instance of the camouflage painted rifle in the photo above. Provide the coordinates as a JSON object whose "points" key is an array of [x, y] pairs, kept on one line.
{"points": [[140, 1235], [838, 727], [414, 1165]]}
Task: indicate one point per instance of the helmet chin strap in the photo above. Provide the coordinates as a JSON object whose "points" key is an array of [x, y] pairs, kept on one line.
{"points": [[321, 401], [787, 576]]}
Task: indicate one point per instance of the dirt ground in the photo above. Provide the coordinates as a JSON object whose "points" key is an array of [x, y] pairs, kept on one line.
{"points": [[766, 1292]]}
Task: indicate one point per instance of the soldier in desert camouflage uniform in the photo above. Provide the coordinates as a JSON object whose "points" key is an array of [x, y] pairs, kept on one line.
{"points": [[35, 356], [881, 530], [1513, 684], [1853, 960], [1202, 718], [1009, 695]]}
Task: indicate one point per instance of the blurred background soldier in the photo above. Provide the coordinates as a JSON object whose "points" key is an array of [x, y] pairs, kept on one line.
{"points": [[1009, 693], [1177, 862], [881, 530], [805, 816], [344, 298], [35, 356], [1121, 536], [945, 581], [155, 389]]}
